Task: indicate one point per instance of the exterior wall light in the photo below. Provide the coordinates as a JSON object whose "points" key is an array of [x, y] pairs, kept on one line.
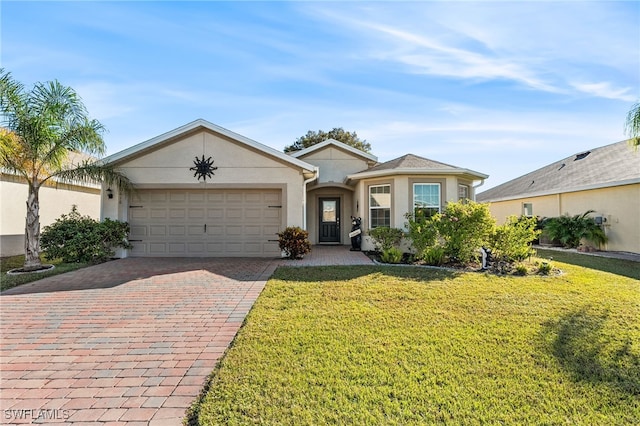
{"points": [[109, 193]]}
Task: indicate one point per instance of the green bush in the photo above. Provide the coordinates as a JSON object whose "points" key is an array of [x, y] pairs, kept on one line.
{"points": [[464, 227], [422, 233], [521, 270], [545, 268], [434, 255], [77, 238], [294, 241], [458, 233], [569, 230], [513, 240], [391, 255], [386, 238]]}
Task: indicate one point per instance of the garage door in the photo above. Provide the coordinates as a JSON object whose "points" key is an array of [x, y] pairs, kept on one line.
{"points": [[202, 223]]}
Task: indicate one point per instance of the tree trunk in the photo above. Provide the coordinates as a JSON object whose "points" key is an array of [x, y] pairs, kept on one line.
{"points": [[32, 231]]}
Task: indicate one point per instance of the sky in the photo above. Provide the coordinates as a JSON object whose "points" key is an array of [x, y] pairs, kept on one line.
{"points": [[502, 88]]}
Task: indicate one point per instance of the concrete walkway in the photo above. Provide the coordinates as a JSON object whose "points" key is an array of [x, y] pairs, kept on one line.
{"points": [[330, 256], [625, 255], [128, 342]]}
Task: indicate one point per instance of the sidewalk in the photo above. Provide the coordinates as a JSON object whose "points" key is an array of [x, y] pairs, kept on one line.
{"points": [[635, 257]]}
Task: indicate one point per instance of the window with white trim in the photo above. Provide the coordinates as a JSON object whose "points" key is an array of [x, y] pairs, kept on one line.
{"points": [[379, 206], [463, 193], [527, 209], [426, 199]]}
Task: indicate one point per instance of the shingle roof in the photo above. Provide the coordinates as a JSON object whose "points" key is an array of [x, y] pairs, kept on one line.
{"points": [[608, 165], [413, 164], [411, 161]]}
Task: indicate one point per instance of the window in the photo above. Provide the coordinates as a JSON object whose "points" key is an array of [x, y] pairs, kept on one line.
{"points": [[426, 199], [527, 209], [379, 206], [463, 192]]}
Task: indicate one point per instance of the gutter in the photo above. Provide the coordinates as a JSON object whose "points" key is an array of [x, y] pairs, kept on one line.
{"points": [[476, 187], [316, 174]]}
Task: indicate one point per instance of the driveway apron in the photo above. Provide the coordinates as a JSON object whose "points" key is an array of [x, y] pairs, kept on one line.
{"points": [[128, 342]]}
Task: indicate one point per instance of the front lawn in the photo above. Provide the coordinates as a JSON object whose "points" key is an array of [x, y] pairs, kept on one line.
{"points": [[402, 345]]}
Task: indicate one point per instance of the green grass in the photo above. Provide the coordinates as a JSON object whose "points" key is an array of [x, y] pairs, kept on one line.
{"points": [[12, 262], [628, 268], [401, 346]]}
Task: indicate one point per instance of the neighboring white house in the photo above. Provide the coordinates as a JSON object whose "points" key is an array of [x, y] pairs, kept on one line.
{"points": [[55, 200], [202, 190], [605, 179]]}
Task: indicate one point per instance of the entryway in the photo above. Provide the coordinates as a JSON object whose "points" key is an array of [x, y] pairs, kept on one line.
{"points": [[329, 221]]}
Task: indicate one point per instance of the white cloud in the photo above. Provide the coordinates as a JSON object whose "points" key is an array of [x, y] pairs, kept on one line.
{"points": [[606, 90], [426, 55], [543, 46]]}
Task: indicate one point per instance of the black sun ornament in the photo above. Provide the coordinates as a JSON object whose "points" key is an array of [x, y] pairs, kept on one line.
{"points": [[203, 168]]}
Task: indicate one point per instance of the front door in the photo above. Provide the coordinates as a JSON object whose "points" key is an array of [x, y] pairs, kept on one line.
{"points": [[329, 220]]}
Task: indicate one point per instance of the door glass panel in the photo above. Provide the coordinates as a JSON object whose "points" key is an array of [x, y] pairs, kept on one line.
{"points": [[329, 211]]}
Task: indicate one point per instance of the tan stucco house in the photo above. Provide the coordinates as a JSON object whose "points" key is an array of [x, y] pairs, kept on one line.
{"points": [[605, 179], [202, 190], [56, 199]]}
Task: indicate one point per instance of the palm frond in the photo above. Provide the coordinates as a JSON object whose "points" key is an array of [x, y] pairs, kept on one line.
{"points": [[13, 100], [632, 125], [94, 172]]}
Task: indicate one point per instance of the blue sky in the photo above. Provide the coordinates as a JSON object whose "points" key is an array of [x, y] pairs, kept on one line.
{"points": [[502, 88]]}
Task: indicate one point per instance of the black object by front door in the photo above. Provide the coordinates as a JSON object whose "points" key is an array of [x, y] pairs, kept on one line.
{"points": [[329, 220]]}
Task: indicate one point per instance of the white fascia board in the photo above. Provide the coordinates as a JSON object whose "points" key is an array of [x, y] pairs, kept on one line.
{"points": [[339, 144], [564, 190], [379, 173], [146, 145]]}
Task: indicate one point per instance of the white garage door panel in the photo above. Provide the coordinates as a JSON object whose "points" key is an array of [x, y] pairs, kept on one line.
{"points": [[202, 223]]}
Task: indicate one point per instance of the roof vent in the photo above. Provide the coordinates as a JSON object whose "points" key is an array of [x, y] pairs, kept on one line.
{"points": [[562, 166], [581, 156]]}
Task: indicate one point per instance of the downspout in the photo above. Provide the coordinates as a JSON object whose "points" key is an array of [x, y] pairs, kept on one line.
{"points": [[316, 172], [475, 187]]}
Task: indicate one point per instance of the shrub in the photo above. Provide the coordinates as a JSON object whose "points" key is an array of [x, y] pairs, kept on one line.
{"points": [[464, 227], [513, 240], [434, 255], [422, 233], [545, 268], [521, 270], [77, 238], [386, 238], [294, 241], [457, 233], [569, 230], [391, 255]]}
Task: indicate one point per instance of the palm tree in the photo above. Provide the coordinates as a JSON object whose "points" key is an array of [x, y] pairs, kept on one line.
{"points": [[632, 125], [41, 130]]}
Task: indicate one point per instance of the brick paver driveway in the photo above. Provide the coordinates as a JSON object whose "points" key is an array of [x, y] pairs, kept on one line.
{"points": [[126, 342]]}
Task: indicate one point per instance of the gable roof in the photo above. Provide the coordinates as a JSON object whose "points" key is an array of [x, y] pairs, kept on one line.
{"points": [[158, 141], [414, 164], [610, 165], [341, 145]]}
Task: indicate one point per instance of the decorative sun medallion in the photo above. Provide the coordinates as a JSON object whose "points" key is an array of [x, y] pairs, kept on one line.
{"points": [[203, 168]]}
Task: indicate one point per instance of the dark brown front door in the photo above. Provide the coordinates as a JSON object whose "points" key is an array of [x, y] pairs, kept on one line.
{"points": [[329, 220]]}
